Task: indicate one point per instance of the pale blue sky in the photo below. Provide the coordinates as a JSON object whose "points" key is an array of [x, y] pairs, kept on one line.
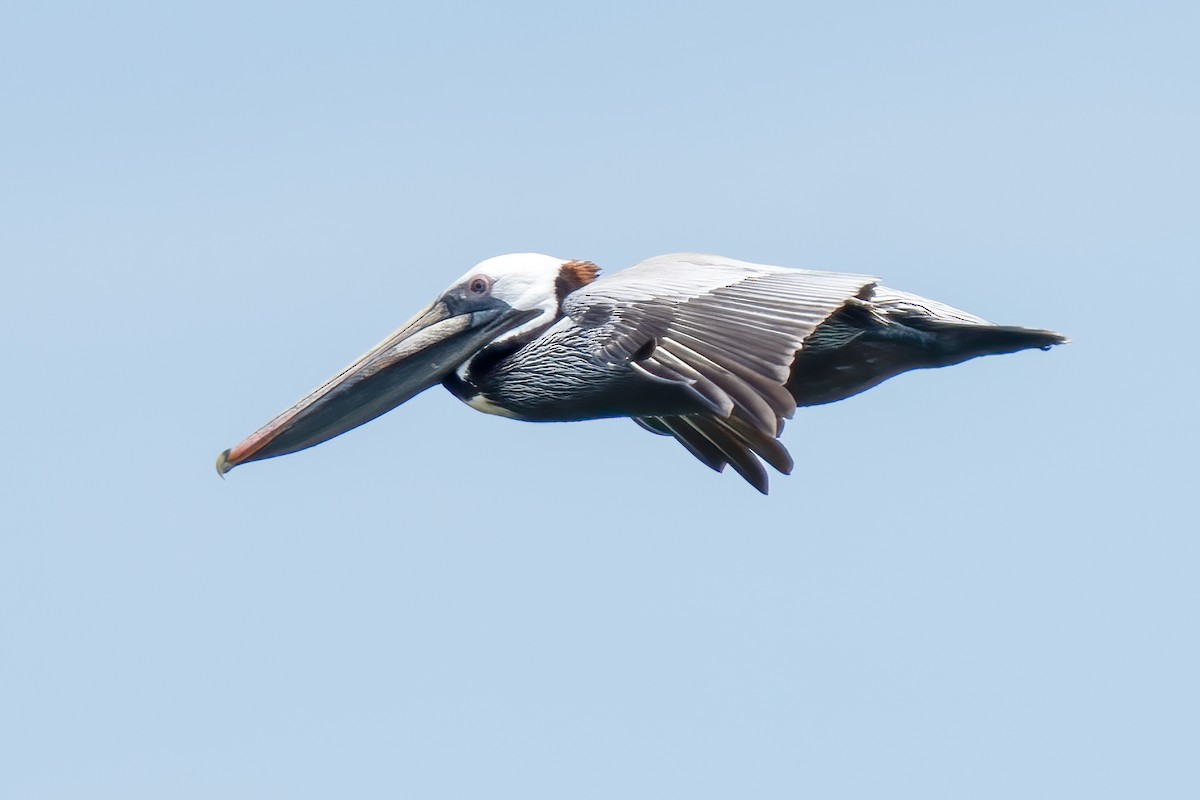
{"points": [[980, 582]]}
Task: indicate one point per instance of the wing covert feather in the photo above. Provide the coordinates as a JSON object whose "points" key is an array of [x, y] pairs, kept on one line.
{"points": [[728, 329]]}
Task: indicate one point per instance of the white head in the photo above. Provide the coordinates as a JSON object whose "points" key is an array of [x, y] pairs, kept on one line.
{"points": [[529, 282]]}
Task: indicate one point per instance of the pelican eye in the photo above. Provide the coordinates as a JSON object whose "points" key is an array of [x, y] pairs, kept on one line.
{"points": [[480, 284]]}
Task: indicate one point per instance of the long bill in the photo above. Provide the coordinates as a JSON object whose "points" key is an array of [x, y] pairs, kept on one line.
{"points": [[417, 356]]}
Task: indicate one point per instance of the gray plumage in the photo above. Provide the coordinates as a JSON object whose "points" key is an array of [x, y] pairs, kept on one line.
{"points": [[718, 353]]}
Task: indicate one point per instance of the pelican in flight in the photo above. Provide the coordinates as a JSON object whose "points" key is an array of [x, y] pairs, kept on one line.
{"points": [[714, 352]]}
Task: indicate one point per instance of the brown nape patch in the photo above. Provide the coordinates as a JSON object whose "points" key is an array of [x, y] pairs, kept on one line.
{"points": [[574, 275]]}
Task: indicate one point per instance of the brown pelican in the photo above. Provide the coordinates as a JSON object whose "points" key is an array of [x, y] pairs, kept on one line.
{"points": [[714, 352]]}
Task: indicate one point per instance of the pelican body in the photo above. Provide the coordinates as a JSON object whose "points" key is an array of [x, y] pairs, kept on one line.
{"points": [[714, 352]]}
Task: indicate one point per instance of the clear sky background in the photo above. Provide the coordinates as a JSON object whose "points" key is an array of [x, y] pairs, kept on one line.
{"points": [[980, 582]]}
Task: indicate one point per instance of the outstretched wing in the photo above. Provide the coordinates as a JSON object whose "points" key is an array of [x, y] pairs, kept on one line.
{"points": [[728, 330]]}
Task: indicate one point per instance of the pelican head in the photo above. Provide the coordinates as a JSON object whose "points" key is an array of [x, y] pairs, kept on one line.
{"points": [[498, 299]]}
